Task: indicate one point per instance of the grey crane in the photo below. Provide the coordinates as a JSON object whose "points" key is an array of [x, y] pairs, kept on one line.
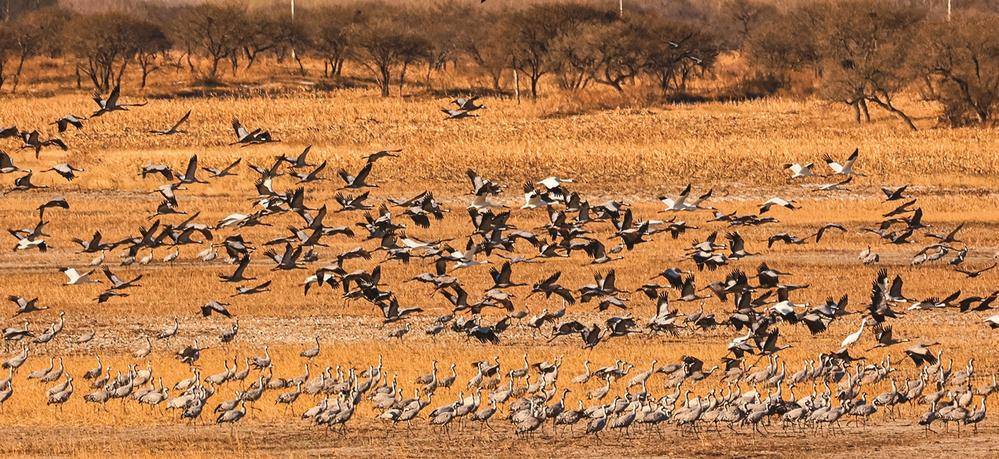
{"points": [[67, 171], [176, 128], [25, 306], [246, 137], [111, 104], [34, 141], [169, 331], [15, 362], [312, 352]]}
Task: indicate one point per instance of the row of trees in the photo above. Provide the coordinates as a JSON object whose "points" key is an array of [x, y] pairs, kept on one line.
{"points": [[861, 53], [864, 52], [577, 45]]}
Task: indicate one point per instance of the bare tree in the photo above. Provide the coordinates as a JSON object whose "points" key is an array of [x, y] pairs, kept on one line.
{"points": [[488, 45], [675, 52], [387, 47], [274, 32], [331, 32], [865, 51], [262, 34], [574, 58], [534, 30], [747, 15], [960, 63], [107, 43], [446, 28], [787, 43], [12, 9], [35, 33], [216, 31], [152, 46], [617, 49], [8, 48]]}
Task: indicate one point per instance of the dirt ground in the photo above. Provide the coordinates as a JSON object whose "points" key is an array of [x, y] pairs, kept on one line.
{"points": [[368, 438]]}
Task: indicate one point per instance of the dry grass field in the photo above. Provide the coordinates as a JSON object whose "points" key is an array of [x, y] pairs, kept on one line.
{"points": [[629, 154]]}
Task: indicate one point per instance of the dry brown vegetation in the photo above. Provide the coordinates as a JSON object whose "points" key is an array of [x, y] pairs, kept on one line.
{"points": [[614, 146], [626, 154]]}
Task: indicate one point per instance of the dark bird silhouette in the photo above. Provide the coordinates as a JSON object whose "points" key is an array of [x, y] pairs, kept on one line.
{"points": [[175, 129]]}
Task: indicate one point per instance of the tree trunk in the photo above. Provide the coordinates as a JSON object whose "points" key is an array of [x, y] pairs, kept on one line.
{"points": [[17, 73], [887, 105], [215, 67], [92, 73], [430, 70], [516, 84], [496, 82], [301, 67], [385, 80], [147, 68], [121, 73], [402, 77]]}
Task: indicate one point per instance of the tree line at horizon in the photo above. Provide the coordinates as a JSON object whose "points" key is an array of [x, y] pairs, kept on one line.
{"points": [[859, 53]]}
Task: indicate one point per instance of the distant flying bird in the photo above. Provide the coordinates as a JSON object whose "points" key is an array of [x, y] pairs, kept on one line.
{"points": [[225, 171], [73, 277], [25, 306], [247, 138], [975, 273], [111, 103], [356, 181], [7, 164], [894, 194], [845, 168], [789, 204], [33, 140], [160, 169], [69, 120], [950, 237], [467, 103], [785, 238], [382, 154], [57, 202], [828, 226], [264, 287], [117, 283], [190, 174], [800, 170], [457, 114], [23, 183], [299, 161], [67, 171], [680, 203], [838, 186], [175, 129], [311, 176], [215, 307]]}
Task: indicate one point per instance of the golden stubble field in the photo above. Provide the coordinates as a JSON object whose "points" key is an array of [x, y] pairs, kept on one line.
{"points": [[627, 154]]}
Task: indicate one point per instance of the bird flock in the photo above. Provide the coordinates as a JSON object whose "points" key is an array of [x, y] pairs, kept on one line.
{"points": [[751, 387]]}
